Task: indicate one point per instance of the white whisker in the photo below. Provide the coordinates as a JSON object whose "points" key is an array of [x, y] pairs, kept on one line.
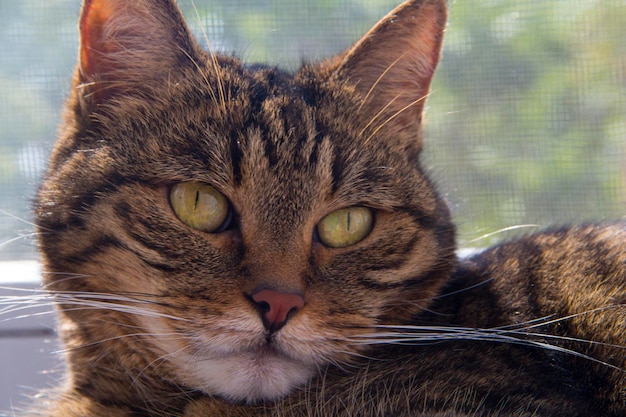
{"points": [[417, 335], [119, 337], [15, 239], [20, 219], [504, 230], [79, 301]]}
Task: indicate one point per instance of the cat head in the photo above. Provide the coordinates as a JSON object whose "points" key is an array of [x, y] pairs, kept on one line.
{"points": [[230, 229]]}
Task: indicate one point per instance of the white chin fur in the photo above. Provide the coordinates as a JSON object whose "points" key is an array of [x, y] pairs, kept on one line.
{"points": [[251, 376]]}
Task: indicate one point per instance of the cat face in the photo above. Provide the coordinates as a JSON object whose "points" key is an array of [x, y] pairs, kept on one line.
{"points": [[233, 230]]}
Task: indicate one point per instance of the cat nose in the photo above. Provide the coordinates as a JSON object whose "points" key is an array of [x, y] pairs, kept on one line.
{"points": [[276, 307]]}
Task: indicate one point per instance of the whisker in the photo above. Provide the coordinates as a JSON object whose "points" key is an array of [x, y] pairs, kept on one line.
{"points": [[15, 239], [380, 77], [381, 111], [547, 320], [121, 308], [570, 352], [20, 219], [25, 316], [396, 114], [566, 339], [68, 277], [449, 294], [504, 230], [213, 56], [81, 301], [110, 339], [416, 335]]}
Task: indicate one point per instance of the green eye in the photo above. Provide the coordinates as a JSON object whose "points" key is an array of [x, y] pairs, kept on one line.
{"points": [[200, 206], [345, 227]]}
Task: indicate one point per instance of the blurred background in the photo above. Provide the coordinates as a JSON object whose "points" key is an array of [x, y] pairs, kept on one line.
{"points": [[526, 126]]}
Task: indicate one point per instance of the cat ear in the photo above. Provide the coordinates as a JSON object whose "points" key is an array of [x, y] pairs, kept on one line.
{"points": [[393, 64], [126, 44]]}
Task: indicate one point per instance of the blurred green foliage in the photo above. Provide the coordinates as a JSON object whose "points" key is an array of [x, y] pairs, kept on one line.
{"points": [[528, 116], [526, 123]]}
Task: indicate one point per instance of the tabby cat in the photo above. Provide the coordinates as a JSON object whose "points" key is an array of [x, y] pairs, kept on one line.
{"points": [[228, 240]]}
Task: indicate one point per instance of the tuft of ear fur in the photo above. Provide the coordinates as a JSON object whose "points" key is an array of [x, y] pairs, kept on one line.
{"points": [[126, 44], [393, 64]]}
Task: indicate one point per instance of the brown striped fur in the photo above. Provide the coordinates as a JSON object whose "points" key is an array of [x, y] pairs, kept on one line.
{"points": [[157, 318]]}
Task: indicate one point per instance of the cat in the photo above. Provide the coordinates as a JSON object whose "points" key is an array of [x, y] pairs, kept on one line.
{"points": [[232, 240]]}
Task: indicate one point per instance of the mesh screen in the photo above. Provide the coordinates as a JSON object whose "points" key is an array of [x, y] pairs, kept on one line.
{"points": [[526, 124]]}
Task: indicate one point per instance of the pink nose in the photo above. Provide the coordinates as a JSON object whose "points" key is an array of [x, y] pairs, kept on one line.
{"points": [[276, 307]]}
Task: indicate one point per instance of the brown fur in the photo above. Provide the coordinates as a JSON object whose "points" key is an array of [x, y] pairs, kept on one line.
{"points": [[146, 303]]}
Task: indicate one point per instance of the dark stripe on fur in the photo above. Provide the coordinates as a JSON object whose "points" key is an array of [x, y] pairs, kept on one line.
{"points": [[95, 248], [337, 170], [236, 156]]}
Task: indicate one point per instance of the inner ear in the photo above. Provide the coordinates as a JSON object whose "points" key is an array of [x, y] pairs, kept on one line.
{"points": [[93, 45], [393, 64], [126, 44]]}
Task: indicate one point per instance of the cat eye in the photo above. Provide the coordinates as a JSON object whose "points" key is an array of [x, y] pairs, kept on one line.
{"points": [[345, 227], [200, 206]]}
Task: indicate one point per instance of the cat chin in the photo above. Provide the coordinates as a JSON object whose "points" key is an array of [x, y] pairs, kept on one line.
{"points": [[240, 367], [251, 377]]}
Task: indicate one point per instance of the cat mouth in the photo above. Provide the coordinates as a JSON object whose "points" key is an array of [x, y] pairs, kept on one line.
{"points": [[258, 374], [271, 351], [264, 352]]}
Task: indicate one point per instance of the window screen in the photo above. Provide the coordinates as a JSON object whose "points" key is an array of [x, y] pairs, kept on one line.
{"points": [[526, 124]]}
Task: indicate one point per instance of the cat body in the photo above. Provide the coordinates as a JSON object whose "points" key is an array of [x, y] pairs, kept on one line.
{"points": [[232, 240]]}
